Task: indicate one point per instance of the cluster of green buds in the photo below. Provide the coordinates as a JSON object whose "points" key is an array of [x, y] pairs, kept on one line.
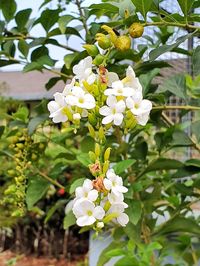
{"points": [[16, 191]]}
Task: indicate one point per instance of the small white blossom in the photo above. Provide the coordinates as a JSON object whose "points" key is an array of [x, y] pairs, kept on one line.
{"points": [[80, 98], [86, 212], [118, 89], [111, 77], [118, 208], [114, 183], [83, 71], [76, 116], [119, 198], [131, 80], [68, 88], [113, 112], [100, 225], [56, 108], [86, 191], [139, 107]]}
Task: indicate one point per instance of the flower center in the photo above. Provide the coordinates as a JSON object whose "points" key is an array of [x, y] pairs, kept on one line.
{"points": [[136, 106], [114, 183], [89, 213], [114, 111], [120, 91], [85, 194], [81, 100]]}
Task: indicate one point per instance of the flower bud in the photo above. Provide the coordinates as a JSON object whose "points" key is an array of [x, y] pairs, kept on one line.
{"points": [[106, 166], [97, 149], [136, 30], [98, 60], [61, 191], [95, 168], [91, 49], [92, 156], [11, 172], [103, 41], [91, 131], [34, 157], [113, 35], [92, 119], [123, 43], [101, 134], [76, 116], [100, 225], [107, 154]]}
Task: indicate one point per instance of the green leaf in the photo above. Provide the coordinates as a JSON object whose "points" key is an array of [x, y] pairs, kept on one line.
{"points": [[147, 78], [143, 6], [22, 18], [53, 209], [1, 130], [176, 85], [23, 47], [105, 6], [32, 66], [124, 6], [69, 220], [75, 184], [130, 261], [84, 159], [168, 47], [36, 121], [163, 164], [87, 144], [185, 5], [7, 62], [48, 18], [196, 61], [180, 224], [8, 8], [37, 188], [115, 252], [180, 138], [123, 165], [52, 82], [134, 211], [21, 114], [196, 129], [63, 22], [68, 59]]}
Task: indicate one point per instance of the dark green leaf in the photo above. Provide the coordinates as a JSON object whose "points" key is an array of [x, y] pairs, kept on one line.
{"points": [[163, 164], [23, 47], [134, 211], [22, 18], [185, 5], [53, 209], [8, 8], [37, 187], [105, 6], [1, 130], [36, 121], [48, 18], [52, 82], [84, 159], [63, 22]]}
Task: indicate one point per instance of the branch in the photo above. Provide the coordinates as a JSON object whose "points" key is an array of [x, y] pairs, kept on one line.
{"points": [[165, 23], [176, 107]]}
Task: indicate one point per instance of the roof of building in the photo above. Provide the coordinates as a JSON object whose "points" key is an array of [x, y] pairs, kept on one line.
{"points": [[27, 86]]}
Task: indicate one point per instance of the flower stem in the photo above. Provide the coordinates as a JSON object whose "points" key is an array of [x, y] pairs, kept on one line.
{"points": [[177, 107]]}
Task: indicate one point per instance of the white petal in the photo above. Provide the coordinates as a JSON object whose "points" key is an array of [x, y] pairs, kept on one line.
{"points": [[52, 106], [110, 173], [69, 206], [130, 72], [122, 189], [129, 102], [71, 100], [68, 87], [79, 193], [93, 195], [85, 220], [87, 61], [108, 119], [115, 198], [109, 92], [118, 119], [112, 77], [142, 119], [88, 184], [107, 183], [111, 101], [58, 118], [78, 91], [118, 84], [91, 79], [123, 219], [99, 212], [105, 110], [146, 105], [127, 92], [120, 106], [89, 101], [60, 99]]}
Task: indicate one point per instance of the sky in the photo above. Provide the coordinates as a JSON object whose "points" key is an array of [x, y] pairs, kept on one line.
{"points": [[59, 53]]}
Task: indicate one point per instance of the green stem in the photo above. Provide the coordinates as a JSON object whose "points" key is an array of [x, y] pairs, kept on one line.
{"points": [[52, 181], [177, 107], [165, 23]]}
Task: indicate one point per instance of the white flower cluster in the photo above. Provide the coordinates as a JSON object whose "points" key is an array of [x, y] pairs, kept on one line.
{"points": [[121, 96], [95, 207]]}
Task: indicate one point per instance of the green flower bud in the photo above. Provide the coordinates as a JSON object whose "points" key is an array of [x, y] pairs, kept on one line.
{"points": [[103, 41], [107, 154], [92, 156], [136, 30], [97, 149], [11, 172], [91, 49], [91, 131], [101, 134], [98, 60], [92, 119], [106, 166], [123, 43]]}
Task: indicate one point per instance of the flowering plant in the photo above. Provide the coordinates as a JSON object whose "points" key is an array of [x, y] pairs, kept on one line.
{"points": [[103, 101]]}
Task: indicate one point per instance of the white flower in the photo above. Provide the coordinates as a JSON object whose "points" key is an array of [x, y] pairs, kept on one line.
{"points": [[118, 209], [56, 108], [100, 225], [139, 107], [111, 77], [69, 206], [118, 89], [131, 80], [113, 112], [119, 198], [80, 98], [68, 88], [83, 71], [86, 191], [114, 183], [76, 116], [86, 212]]}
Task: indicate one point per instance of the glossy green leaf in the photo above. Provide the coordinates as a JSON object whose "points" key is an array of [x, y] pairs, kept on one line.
{"points": [[23, 47], [8, 8], [68, 59], [143, 6], [84, 159], [69, 220], [185, 5], [120, 167], [52, 82], [163, 164], [22, 18]]}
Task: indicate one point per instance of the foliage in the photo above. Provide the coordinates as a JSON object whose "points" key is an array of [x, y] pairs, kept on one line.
{"points": [[163, 185]]}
